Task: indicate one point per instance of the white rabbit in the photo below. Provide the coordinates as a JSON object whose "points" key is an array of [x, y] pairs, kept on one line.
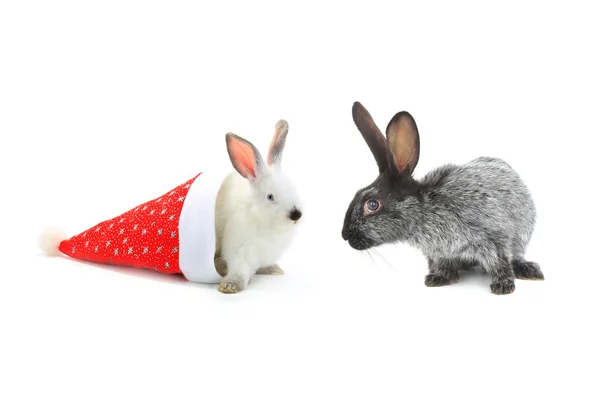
{"points": [[256, 213]]}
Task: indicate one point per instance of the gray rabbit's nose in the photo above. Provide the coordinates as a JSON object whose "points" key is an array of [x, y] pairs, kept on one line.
{"points": [[344, 234], [295, 214]]}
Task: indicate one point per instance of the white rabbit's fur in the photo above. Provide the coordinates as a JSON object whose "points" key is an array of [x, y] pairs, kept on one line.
{"points": [[253, 231]]}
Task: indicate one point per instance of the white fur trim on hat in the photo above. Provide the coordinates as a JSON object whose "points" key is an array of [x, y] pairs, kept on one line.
{"points": [[197, 238]]}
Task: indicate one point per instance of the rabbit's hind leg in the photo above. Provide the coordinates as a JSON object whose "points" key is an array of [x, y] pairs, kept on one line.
{"points": [[220, 265], [527, 270], [524, 269], [273, 269]]}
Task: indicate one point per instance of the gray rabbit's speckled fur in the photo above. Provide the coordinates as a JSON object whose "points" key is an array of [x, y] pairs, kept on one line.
{"points": [[480, 213]]}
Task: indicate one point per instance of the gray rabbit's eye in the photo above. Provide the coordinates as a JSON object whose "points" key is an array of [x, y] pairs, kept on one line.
{"points": [[372, 205], [270, 197]]}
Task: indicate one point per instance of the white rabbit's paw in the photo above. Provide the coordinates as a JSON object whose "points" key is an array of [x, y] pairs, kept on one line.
{"points": [[231, 284], [270, 270]]}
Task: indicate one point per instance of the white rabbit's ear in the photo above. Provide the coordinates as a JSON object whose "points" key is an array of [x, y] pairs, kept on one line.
{"points": [[245, 157], [372, 135], [277, 143], [403, 139]]}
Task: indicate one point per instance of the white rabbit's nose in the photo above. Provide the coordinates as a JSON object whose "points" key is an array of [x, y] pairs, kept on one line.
{"points": [[295, 215]]}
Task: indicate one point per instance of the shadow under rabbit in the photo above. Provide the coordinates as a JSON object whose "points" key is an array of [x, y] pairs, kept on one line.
{"points": [[142, 273]]}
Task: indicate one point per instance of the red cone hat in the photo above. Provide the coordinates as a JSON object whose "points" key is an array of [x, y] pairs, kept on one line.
{"points": [[172, 234]]}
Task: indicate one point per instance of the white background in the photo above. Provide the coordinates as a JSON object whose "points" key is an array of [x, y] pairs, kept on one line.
{"points": [[105, 105]]}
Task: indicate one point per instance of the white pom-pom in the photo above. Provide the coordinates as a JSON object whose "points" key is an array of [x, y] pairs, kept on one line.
{"points": [[50, 239]]}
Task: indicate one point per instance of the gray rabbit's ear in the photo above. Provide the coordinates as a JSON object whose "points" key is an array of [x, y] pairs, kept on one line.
{"points": [[403, 140], [277, 143], [372, 135], [245, 157]]}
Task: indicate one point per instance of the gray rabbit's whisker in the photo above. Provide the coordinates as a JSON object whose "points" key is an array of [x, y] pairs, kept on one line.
{"points": [[384, 259], [368, 251]]}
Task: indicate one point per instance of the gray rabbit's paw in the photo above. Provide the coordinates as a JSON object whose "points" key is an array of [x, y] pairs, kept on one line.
{"points": [[527, 270], [503, 287], [433, 280], [231, 284], [270, 270]]}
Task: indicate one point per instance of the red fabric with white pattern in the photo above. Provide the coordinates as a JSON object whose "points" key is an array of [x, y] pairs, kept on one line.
{"points": [[144, 237]]}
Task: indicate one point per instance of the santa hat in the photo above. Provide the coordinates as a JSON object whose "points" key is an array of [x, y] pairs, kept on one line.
{"points": [[172, 234]]}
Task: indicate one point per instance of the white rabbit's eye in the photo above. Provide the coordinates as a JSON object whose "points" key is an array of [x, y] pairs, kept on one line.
{"points": [[372, 205], [270, 197]]}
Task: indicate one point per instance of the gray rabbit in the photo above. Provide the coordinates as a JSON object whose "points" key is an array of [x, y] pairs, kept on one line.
{"points": [[480, 213]]}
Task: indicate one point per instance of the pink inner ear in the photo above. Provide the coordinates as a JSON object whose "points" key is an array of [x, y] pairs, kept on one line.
{"points": [[403, 141], [243, 156]]}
